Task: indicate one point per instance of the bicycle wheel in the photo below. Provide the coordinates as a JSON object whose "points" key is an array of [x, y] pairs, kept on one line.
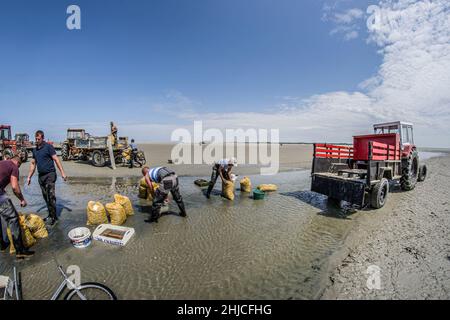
{"points": [[92, 291]]}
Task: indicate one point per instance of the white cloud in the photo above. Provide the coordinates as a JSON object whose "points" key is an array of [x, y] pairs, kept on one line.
{"points": [[346, 21], [412, 84], [348, 16]]}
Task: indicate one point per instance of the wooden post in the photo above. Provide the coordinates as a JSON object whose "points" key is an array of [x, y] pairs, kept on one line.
{"points": [[111, 154]]}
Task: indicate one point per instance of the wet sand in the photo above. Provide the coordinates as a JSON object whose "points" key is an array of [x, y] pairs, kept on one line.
{"points": [[283, 247], [271, 249], [407, 239], [292, 157]]}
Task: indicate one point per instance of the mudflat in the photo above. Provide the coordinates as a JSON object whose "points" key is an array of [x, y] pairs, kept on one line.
{"points": [[291, 245], [406, 243], [291, 156]]}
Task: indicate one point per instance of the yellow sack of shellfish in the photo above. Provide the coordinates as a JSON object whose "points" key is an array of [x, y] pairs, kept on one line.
{"points": [[96, 213], [228, 189], [116, 213], [36, 225], [267, 187], [125, 203], [27, 237], [246, 185], [144, 189], [127, 154]]}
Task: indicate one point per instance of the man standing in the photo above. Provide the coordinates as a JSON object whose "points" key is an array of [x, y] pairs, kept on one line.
{"points": [[9, 173], [223, 169], [168, 183], [44, 156], [133, 155], [114, 134]]}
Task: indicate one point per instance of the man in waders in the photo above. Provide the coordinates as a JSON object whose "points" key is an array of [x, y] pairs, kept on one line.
{"points": [[44, 157], [222, 169], [168, 183], [9, 173]]}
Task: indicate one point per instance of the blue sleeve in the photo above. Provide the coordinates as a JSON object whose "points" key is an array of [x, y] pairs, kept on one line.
{"points": [[33, 152], [51, 150]]}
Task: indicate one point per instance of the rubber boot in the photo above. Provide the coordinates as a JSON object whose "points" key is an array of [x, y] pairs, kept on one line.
{"points": [[208, 192], [182, 209], [21, 251], [154, 215]]}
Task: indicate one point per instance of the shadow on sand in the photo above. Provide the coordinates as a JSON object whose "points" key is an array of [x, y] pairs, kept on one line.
{"points": [[327, 208]]}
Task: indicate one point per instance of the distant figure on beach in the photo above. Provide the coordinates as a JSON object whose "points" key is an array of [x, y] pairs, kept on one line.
{"points": [[168, 183], [9, 173], [222, 169], [133, 155], [114, 133], [44, 157]]}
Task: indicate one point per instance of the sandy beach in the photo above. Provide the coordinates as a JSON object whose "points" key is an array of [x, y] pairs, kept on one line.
{"points": [[291, 157], [407, 239], [291, 245]]}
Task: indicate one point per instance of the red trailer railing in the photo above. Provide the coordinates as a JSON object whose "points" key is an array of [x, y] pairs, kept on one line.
{"points": [[382, 152], [332, 151]]}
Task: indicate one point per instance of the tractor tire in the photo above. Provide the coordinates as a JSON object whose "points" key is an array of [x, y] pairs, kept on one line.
{"points": [[422, 173], [410, 171], [379, 194], [24, 153], [141, 158], [7, 154], [98, 159], [65, 152]]}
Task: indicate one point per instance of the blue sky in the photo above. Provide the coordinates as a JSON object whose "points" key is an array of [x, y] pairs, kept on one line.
{"points": [[141, 62]]}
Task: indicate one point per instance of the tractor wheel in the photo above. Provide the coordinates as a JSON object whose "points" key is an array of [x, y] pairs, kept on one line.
{"points": [[141, 158], [24, 155], [65, 152], [7, 154], [422, 173], [379, 194], [410, 170], [98, 159]]}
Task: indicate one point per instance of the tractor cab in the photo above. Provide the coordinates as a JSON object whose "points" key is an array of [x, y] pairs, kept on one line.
{"points": [[22, 138], [73, 134], [403, 129], [5, 132]]}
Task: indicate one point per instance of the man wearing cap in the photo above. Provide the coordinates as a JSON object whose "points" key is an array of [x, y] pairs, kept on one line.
{"points": [[222, 169]]}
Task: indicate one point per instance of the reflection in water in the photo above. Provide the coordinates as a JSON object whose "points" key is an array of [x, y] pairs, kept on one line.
{"points": [[276, 248]]}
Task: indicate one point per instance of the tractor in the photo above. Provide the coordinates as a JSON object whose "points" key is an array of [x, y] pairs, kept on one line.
{"points": [[69, 150], [9, 147], [80, 145], [23, 141], [360, 174]]}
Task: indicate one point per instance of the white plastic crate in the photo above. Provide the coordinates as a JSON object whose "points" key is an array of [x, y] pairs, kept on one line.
{"points": [[116, 235]]}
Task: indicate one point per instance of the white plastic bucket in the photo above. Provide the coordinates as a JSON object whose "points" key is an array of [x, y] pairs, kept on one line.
{"points": [[80, 237]]}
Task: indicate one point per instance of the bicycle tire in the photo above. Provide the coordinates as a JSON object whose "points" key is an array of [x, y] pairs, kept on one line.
{"points": [[91, 285]]}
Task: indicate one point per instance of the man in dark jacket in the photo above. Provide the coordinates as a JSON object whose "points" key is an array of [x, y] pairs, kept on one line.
{"points": [[44, 157], [9, 173]]}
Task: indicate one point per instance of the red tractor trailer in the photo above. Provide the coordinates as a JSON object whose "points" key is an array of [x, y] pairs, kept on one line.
{"points": [[361, 174], [9, 147]]}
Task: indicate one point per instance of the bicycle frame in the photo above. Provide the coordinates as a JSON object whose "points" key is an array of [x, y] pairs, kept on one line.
{"points": [[62, 286]]}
